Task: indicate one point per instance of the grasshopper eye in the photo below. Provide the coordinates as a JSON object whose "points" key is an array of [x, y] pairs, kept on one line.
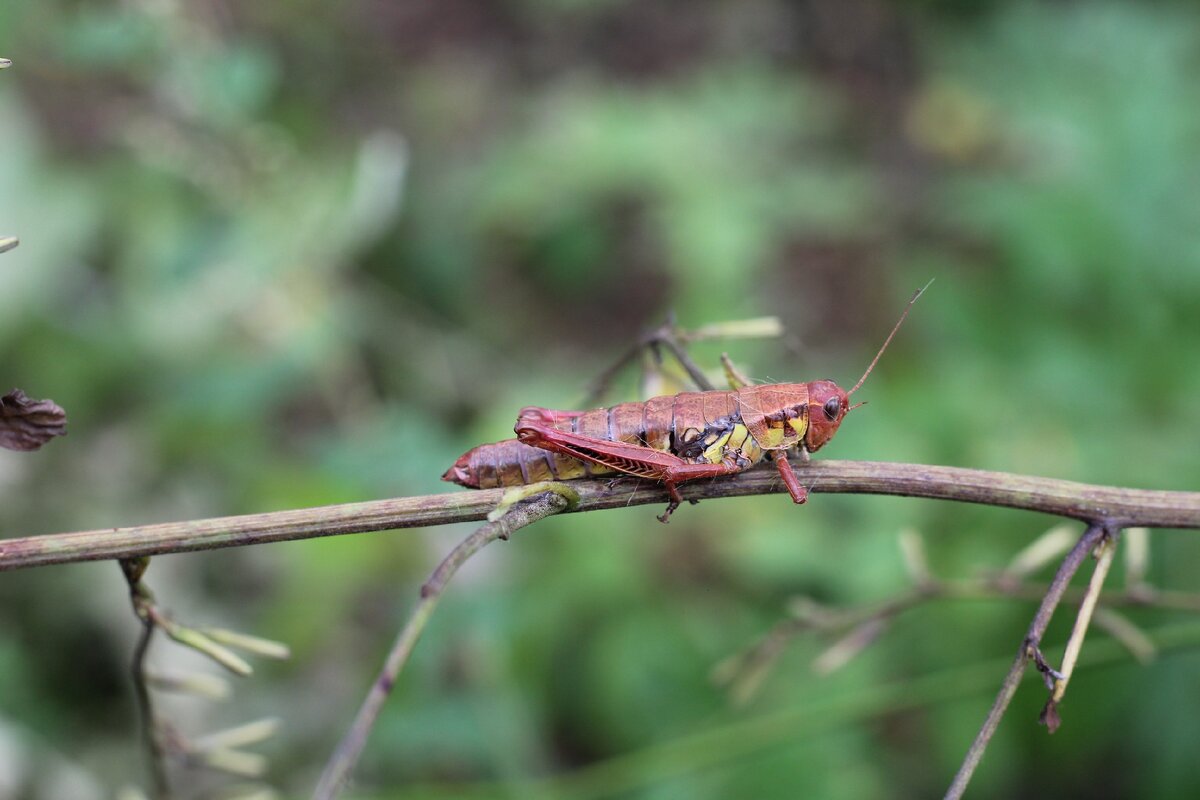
{"points": [[832, 407]]}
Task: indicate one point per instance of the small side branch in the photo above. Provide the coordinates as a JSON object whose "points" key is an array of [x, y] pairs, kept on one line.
{"points": [[1088, 503], [220, 751], [671, 337], [344, 758], [143, 601], [1029, 649], [853, 629], [1108, 549]]}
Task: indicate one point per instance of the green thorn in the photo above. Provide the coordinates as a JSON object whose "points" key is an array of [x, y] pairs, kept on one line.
{"points": [[189, 637], [197, 684], [756, 328], [239, 736], [236, 762], [250, 644]]}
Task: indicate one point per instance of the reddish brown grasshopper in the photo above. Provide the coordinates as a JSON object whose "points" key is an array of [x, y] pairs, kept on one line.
{"points": [[671, 439]]}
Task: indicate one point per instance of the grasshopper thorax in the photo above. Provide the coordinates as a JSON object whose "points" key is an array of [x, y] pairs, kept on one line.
{"points": [[782, 415]]}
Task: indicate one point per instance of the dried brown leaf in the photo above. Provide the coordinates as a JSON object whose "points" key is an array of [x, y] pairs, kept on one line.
{"points": [[1050, 716], [27, 424]]}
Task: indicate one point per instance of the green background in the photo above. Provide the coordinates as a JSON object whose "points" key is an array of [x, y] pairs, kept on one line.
{"points": [[278, 255]]}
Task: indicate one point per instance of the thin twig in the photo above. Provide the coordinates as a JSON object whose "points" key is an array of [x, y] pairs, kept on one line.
{"points": [[676, 339], [1089, 503], [603, 382], [744, 671], [668, 335], [992, 589], [341, 763], [1029, 649], [733, 740], [142, 600], [599, 387], [1108, 548], [672, 343]]}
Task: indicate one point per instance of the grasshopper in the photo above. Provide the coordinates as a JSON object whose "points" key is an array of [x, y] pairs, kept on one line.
{"points": [[671, 439]]}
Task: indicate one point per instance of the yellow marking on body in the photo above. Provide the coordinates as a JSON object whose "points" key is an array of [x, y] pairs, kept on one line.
{"points": [[510, 474], [744, 443], [774, 436], [538, 470], [737, 438], [716, 451], [737, 441], [565, 467], [799, 424]]}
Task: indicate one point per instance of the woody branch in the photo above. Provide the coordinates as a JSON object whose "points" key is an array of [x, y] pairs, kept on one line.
{"points": [[1118, 507]]}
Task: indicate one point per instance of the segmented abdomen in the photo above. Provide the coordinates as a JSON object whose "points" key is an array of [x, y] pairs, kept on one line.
{"points": [[697, 426], [513, 463], [661, 423]]}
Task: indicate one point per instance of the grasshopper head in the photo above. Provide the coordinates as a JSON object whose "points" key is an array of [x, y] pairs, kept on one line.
{"points": [[827, 407]]}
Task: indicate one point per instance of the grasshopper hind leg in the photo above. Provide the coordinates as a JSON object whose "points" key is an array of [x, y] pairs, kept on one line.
{"points": [[675, 502], [631, 459]]}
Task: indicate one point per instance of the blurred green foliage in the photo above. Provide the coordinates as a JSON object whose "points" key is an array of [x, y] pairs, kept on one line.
{"points": [[277, 255]]}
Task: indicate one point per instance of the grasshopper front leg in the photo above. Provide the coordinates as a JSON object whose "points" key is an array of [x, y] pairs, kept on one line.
{"points": [[535, 427], [795, 488]]}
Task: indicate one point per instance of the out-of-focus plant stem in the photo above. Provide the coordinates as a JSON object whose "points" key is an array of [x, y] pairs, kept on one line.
{"points": [[1029, 650], [152, 735], [726, 741], [341, 764]]}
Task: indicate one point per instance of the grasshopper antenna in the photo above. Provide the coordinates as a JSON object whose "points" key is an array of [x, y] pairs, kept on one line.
{"points": [[888, 340]]}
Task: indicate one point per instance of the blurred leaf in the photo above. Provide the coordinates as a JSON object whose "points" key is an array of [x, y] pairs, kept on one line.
{"points": [[27, 424]]}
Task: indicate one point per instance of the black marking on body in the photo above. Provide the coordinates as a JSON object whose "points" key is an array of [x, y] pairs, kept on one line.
{"points": [[695, 446]]}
